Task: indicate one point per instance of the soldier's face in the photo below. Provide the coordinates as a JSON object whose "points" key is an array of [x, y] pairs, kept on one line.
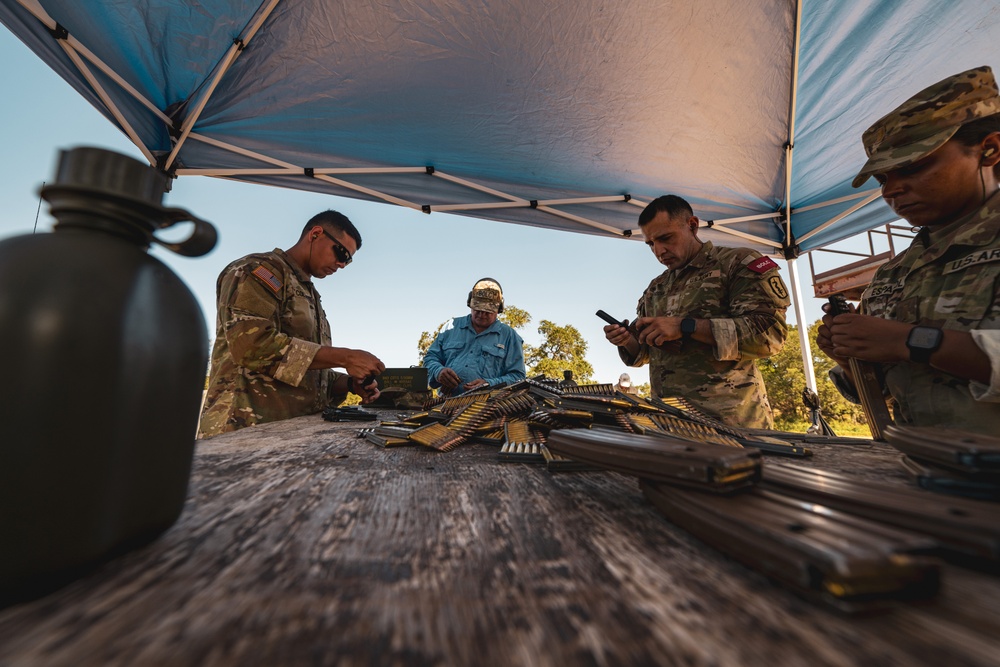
{"points": [[937, 189], [672, 240], [326, 257]]}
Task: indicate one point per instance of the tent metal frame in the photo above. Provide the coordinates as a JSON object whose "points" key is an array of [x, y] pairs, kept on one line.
{"points": [[80, 55]]}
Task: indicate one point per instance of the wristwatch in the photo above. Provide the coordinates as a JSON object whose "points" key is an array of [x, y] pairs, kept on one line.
{"points": [[688, 325], [922, 341]]}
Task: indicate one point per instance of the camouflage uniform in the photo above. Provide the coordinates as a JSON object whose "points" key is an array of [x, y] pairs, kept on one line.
{"points": [[743, 296], [948, 278], [270, 326], [926, 121]]}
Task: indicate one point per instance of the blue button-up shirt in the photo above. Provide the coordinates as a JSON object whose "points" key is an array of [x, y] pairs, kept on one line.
{"points": [[495, 355]]}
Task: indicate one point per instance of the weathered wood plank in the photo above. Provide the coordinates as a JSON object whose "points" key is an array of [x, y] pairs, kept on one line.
{"points": [[301, 544]]}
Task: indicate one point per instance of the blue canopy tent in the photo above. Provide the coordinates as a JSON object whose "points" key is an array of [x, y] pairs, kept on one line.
{"points": [[566, 114]]}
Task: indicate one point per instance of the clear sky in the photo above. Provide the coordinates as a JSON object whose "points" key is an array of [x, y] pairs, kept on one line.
{"points": [[413, 272]]}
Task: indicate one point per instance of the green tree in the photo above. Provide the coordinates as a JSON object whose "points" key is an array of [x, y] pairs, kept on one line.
{"points": [[514, 317], [426, 339], [563, 348], [784, 378]]}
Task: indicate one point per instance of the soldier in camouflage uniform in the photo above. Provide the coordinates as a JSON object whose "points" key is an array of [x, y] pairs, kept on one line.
{"points": [[272, 354], [931, 315], [703, 321]]}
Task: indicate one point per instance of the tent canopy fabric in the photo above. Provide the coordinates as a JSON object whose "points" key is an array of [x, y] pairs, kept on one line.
{"points": [[566, 114]]}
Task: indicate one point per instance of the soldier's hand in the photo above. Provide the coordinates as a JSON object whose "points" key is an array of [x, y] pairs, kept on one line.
{"points": [[448, 379], [826, 345], [368, 393], [362, 365], [618, 335], [868, 338], [658, 331], [823, 341]]}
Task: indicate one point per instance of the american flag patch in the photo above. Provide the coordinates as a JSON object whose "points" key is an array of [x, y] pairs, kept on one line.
{"points": [[762, 264], [268, 278]]}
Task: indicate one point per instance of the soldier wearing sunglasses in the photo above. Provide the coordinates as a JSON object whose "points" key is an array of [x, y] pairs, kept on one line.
{"points": [[273, 353]]}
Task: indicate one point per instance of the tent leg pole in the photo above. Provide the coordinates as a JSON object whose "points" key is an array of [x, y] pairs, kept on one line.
{"points": [[800, 310]]}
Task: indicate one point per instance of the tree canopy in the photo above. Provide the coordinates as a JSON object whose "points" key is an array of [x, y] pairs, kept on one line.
{"points": [[562, 349], [785, 379]]}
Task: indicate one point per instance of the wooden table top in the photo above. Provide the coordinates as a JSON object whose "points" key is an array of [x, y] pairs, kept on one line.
{"points": [[301, 544]]}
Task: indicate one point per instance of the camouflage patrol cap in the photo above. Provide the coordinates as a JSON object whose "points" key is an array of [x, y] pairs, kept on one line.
{"points": [[923, 123], [487, 296]]}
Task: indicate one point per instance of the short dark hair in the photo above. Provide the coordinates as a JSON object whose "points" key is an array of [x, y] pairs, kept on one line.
{"points": [[333, 221], [975, 131], [672, 205]]}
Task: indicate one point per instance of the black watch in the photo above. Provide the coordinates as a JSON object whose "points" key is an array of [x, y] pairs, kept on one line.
{"points": [[922, 341], [688, 325]]}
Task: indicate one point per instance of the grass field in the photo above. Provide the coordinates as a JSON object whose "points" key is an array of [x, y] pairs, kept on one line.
{"points": [[850, 429]]}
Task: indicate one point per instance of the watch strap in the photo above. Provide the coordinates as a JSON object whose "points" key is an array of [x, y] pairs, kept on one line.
{"points": [[688, 325], [920, 352]]}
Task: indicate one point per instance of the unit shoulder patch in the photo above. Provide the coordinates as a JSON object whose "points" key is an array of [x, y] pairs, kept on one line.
{"points": [[271, 281], [777, 287]]}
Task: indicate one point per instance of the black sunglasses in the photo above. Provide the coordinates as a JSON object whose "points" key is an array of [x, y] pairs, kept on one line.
{"points": [[343, 256]]}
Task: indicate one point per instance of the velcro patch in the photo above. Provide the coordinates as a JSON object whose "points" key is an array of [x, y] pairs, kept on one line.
{"points": [[876, 290], [978, 257], [269, 279], [777, 287], [762, 265]]}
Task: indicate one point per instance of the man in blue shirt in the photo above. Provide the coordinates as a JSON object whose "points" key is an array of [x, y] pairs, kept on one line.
{"points": [[476, 350]]}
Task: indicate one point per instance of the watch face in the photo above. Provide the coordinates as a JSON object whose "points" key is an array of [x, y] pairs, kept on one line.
{"points": [[688, 325], [926, 338]]}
